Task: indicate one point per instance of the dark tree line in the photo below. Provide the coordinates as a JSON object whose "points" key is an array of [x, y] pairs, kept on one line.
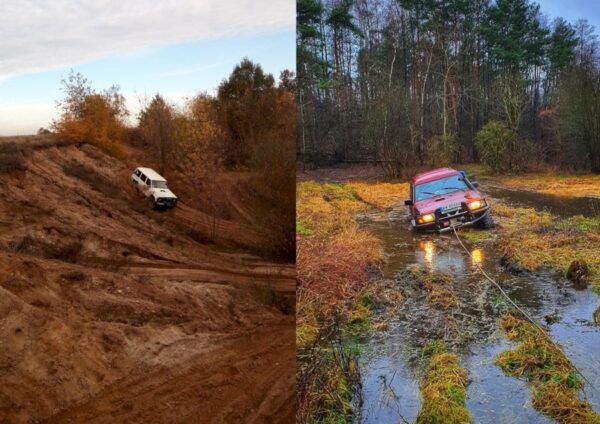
{"points": [[412, 82]]}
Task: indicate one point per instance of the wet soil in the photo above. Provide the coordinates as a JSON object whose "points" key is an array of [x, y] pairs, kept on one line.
{"points": [[390, 365]]}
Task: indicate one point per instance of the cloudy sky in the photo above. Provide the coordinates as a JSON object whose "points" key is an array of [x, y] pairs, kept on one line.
{"points": [[176, 47]]}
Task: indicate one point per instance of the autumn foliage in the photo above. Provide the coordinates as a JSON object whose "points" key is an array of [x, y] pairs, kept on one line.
{"points": [[249, 126], [92, 117]]}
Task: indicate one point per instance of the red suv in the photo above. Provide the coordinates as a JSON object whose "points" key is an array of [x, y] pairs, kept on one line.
{"points": [[444, 198]]}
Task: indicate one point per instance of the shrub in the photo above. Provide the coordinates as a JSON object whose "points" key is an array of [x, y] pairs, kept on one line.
{"points": [[88, 116], [499, 147]]}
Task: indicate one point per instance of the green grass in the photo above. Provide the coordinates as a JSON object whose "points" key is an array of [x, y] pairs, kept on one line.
{"points": [[303, 229], [475, 236], [444, 387]]}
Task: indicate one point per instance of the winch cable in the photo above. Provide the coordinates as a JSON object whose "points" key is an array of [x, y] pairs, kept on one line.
{"points": [[518, 308]]}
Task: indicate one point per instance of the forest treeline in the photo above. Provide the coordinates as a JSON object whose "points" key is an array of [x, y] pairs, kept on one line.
{"points": [[249, 125], [413, 83]]}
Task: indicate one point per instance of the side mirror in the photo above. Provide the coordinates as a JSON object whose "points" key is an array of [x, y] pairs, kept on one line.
{"points": [[475, 184], [408, 202]]}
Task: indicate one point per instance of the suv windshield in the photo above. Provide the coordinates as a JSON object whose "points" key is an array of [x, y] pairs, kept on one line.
{"points": [[159, 184], [439, 187]]}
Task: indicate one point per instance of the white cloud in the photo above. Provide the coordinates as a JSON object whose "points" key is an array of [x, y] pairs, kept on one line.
{"points": [[38, 35]]}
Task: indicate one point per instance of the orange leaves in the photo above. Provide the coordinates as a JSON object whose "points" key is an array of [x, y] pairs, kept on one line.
{"points": [[91, 117]]}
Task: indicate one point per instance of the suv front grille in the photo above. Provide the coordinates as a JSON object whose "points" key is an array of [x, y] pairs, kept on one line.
{"points": [[451, 207]]}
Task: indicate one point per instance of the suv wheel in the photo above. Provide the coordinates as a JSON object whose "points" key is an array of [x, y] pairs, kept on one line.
{"points": [[487, 222], [151, 202]]}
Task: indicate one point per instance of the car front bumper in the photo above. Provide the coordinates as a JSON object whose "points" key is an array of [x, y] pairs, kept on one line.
{"points": [[166, 202], [443, 224]]}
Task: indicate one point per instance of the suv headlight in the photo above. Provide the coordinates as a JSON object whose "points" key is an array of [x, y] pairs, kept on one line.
{"points": [[476, 204], [425, 219]]}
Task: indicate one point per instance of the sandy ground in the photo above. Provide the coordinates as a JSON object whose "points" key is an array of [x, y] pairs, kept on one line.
{"points": [[113, 313]]}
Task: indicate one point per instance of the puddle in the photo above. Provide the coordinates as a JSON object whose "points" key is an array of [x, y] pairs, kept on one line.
{"points": [[580, 339], [507, 400], [389, 366], [389, 398], [557, 205]]}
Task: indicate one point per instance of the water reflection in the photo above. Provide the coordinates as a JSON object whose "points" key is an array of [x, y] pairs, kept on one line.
{"points": [[428, 249], [477, 256]]}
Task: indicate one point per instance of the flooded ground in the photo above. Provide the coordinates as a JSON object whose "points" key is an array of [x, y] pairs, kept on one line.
{"points": [[557, 205], [390, 363]]}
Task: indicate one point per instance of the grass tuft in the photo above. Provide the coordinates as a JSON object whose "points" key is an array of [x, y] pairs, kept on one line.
{"points": [[554, 380], [444, 390], [535, 239]]}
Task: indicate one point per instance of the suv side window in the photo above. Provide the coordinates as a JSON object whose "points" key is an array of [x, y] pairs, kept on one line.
{"points": [[143, 178]]}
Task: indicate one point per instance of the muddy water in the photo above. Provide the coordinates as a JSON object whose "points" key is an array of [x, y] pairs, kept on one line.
{"points": [[390, 362]]}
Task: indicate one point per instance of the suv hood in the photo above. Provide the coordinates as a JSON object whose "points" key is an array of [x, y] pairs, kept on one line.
{"points": [[163, 192], [431, 204]]}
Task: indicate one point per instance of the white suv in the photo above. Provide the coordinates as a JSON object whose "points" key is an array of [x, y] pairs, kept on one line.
{"points": [[154, 187]]}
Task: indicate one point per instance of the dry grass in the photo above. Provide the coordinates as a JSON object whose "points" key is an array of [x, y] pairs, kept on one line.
{"points": [[334, 256], [570, 185], [381, 195], [549, 181], [534, 239], [555, 382], [11, 162], [333, 261], [326, 209], [444, 390]]}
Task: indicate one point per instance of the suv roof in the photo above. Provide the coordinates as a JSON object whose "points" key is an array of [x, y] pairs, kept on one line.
{"points": [[152, 174], [432, 175]]}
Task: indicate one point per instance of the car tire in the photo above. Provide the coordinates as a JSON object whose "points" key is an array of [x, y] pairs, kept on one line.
{"points": [[487, 222], [151, 203]]}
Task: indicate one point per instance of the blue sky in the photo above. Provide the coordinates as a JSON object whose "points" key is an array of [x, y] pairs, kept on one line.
{"points": [[177, 49], [572, 10]]}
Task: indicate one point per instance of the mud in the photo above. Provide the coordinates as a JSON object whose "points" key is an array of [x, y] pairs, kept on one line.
{"points": [[390, 363], [110, 312]]}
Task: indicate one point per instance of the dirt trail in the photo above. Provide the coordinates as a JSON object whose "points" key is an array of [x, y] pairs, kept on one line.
{"points": [[117, 313], [221, 382]]}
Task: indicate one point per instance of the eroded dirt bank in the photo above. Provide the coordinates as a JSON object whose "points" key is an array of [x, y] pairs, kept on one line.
{"points": [[110, 312]]}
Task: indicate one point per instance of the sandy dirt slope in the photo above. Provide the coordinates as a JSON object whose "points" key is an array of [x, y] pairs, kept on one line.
{"points": [[110, 312]]}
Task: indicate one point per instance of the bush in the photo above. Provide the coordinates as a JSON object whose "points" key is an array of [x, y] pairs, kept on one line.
{"points": [[499, 147]]}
